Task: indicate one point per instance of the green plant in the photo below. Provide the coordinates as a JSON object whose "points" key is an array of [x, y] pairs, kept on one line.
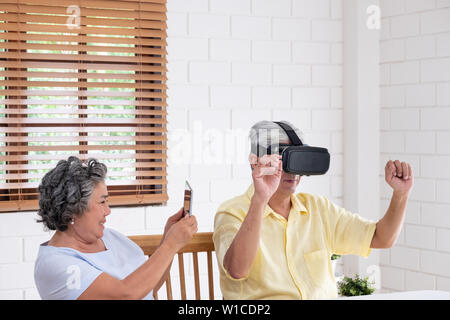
{"points": [[355, 287], [335, 256]]}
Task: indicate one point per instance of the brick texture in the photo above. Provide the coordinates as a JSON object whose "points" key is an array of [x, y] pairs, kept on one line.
{"points": [[415, 108]]}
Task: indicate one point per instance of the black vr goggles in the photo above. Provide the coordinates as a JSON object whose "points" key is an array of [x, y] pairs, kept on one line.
{"points": [[298, 158]]}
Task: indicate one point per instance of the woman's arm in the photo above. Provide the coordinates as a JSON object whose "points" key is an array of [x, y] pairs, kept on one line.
{"points": [[137, 285], [170, 222], [147, 277]]}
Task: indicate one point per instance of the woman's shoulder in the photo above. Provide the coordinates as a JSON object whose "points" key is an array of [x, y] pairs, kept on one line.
{"points": [[48, 252], [118, 241], [62, 273], [53, 262]]}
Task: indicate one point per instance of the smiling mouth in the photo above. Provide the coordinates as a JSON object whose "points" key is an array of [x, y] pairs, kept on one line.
{"points": [[292, 179]]}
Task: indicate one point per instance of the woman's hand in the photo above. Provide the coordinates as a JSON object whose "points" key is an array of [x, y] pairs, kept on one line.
{"points": [[266, 175], [181, 232], [172, 220]]}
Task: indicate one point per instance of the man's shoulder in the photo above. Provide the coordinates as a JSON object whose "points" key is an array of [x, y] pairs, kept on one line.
{"points": [[237, 206]]}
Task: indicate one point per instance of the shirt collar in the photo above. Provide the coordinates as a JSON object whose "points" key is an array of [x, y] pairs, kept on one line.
{"points": [[297, 205]]}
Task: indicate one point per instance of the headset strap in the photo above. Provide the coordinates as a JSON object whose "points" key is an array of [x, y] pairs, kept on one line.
{"points": [[295, 140]]}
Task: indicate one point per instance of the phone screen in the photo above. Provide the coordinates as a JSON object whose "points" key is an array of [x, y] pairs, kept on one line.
{"points": [[187, 199]]}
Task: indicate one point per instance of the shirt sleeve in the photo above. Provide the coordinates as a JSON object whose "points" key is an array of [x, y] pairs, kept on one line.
{"points": [[226, 227], [62, 277], [349, 232]]}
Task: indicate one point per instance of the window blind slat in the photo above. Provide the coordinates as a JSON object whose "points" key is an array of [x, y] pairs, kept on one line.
{"points": [[83, 66], [76, 57], [138, 5], [111, 174], [111, 166], [71, 75], [80, 121], [76, 47], [92, 84], [103, 139], [81, 148], [100, 156], [62, 20], [78, 111], [82, 130], [28, 27], [88, 93], [30, 185], [69, 38], [90, 102], [136, 15]]}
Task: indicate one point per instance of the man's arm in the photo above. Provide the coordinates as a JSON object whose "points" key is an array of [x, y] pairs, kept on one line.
{"points": [[242, 252], [266, 175], [400, 177]]}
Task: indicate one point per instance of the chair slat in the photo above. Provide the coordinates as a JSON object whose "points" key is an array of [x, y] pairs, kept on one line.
{"points": [[182, 277], [169, 288], [196, 276], [210, 276]]}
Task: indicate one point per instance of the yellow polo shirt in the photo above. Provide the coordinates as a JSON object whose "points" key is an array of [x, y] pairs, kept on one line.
{"points": [[293, 258]]}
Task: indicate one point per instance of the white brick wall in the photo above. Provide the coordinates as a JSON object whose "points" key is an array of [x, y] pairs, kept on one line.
{"points": [[231, 64], [415, 111]]}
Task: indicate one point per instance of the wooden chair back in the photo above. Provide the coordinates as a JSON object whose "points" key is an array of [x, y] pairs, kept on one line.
{"points": [[201, 242]]}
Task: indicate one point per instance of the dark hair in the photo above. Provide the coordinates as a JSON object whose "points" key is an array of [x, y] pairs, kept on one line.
{"points": [[66, 189]]}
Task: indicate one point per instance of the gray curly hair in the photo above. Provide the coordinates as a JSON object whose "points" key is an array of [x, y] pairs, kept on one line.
{"points": [[64, 192]]}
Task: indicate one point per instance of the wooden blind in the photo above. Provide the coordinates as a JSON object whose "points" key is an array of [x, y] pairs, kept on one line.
{"points": [[84, 78]]}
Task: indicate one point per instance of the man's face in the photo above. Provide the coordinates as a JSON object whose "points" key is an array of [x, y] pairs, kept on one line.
{"points": [[288, 183]]}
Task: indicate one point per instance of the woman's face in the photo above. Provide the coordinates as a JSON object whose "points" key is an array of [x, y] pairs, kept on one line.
{"points": [[90, 225]]}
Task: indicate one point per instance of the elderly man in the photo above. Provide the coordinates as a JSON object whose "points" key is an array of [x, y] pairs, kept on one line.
{"points": [[272, 243]]}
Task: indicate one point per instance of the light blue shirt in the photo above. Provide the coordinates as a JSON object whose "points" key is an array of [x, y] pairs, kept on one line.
{"points": [[65, 273]]}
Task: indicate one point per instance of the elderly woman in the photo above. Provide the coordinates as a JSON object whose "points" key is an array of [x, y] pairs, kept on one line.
{"points": [[85, 260], [273, 243]]}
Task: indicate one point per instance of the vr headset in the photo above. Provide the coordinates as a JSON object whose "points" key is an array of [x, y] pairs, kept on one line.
{"points": [[298, 158]]}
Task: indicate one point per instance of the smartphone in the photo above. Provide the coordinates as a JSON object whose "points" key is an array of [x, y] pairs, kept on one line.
{"points": [[187, 199]]}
